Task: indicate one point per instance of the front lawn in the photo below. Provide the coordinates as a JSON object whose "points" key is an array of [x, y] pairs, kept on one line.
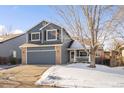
{"points": [[80, 75], [21, 76]]}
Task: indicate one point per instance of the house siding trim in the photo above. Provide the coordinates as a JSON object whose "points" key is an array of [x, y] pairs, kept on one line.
{"points": [[42, 37], [44, 26], [26, 37], [33, 45], [24, 56], [48, 36], [35, 33], [58, 55], [41, 55], [62, 35], [39, 50]]}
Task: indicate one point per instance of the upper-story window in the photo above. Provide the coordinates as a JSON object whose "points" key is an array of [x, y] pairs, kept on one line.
{"points": [[35, 36], [51, 35]]}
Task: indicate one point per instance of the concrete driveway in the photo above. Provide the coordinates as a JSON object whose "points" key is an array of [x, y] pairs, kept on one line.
{"points": [[23, 76]]}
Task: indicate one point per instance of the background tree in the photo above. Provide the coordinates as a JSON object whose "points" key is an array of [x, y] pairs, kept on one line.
{"points": [[118, 23], [88, 22]]}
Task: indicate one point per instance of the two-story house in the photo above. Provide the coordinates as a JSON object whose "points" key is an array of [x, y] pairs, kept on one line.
{"points": [[46, 43]]}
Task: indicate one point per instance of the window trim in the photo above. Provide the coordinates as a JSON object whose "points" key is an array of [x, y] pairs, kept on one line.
{"points": [[80, 52], [35, 39], [14, 54], [98, 54], [51, 31]]}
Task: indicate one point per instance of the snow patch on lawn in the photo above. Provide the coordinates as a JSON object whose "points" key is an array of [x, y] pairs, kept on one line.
{"points": [[4, 67], [79, 75]]}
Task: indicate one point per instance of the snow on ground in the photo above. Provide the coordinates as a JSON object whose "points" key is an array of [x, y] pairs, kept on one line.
{"points": [[79, 75], [3, 67]]}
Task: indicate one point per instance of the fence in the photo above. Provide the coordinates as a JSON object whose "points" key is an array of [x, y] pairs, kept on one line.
{"points": [[4, 60]]}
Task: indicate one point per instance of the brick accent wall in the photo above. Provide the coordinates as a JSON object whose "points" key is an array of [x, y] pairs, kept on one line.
{"points": [[24, 55], [58, 54]]}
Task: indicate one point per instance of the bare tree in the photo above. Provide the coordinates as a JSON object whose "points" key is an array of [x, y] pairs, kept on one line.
{"points": [[118, 23], [88, 22], [5, 30], [116, 44]]}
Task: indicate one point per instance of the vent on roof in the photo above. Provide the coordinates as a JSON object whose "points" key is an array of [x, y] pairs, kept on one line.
{"points": [[44, 23]]}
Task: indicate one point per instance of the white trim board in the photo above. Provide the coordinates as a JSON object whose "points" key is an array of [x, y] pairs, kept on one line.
{"points": [[40, 45], [44, 26], [51, 31], [39, 50], [42, 37], [26, 37], [26, 56], [62, 39], [80, 53], [35, 33]]}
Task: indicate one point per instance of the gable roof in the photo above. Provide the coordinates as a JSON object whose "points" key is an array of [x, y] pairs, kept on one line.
{"points": [[5, 38], [86, 41], [44, 24], [122, 47], [40, 24], [77, 45]]}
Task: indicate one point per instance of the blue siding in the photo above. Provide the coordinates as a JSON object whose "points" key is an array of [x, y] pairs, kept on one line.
{"points": [[62, 38], [43, 34], [66, 42], [6, 48]]}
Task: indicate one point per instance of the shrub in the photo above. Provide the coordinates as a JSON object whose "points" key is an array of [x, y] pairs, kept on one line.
{"points": [[13, 61]]}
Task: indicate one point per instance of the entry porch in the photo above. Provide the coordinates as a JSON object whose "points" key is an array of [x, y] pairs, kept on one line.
{"points": [[78, 56]]}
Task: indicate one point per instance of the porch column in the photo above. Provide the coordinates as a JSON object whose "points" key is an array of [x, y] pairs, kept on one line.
{"points": [[89, 56], [75, 56], [58, 54]]}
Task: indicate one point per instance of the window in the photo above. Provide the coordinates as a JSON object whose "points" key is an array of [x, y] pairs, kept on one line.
{"points": [[82, 53], [72, 54], [97, 54], [35, 36], [14, 54], [51, 35]]}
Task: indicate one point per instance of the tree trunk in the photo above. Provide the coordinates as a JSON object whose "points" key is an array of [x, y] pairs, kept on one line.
{"points": [[92, 59]]}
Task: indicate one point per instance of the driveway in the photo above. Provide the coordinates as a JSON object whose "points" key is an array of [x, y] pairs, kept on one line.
{"points": [[23, 76]]}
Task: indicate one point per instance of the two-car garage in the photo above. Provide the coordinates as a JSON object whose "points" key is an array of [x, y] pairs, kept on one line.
{"points": [[41, 54], [44, 55]]}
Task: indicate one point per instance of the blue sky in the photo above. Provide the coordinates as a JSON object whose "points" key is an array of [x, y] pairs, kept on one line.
{"points": [[24, 17], [21, 18]]}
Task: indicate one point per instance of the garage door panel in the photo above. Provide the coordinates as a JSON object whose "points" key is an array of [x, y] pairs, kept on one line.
{"points": [[42, 57]]}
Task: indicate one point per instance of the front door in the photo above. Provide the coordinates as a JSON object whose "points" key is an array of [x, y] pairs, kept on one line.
{"points": [[71, 56]]}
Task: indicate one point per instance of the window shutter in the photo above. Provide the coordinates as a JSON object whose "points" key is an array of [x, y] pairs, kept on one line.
{"points": [[58, 34], [44, 35]]}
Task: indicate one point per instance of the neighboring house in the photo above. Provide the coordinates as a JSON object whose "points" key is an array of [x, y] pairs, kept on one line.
{"points": [[9, 45], [47, 43], [113, 58], [122, 54]]}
